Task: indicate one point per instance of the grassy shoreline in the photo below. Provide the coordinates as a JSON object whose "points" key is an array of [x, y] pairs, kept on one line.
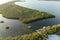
{"points": [[38, 19]]}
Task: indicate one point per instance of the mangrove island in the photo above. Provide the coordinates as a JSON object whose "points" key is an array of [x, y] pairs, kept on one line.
{"points": [[25, 15]]}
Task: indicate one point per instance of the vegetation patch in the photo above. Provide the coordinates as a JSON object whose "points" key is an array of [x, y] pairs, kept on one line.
{"points": [[6, 27], [1, 21], [25, 15]]}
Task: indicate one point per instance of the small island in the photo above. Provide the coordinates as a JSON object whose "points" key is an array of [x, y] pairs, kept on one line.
{"points": [[25, 15]]}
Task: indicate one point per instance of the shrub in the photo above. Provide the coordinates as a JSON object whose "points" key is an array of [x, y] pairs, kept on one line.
{"points": [[7, 27], [1, 21]]}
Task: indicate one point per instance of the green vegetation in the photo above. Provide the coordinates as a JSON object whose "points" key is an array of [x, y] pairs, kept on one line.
{"points": [[41, 34], [1, 21], [24, 14]]}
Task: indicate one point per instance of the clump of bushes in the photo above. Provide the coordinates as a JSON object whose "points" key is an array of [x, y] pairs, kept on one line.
{"points": [[7, 27], [1, 21]]}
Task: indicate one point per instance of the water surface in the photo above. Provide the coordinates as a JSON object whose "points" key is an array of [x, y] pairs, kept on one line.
{"points": [[54, 37], [15, 27]]}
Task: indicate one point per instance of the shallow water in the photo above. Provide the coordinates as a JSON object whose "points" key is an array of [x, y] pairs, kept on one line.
{"points": [[15, 27], [53, 37]]}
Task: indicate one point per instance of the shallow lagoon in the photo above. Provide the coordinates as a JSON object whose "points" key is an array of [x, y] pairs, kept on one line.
{"points": [[15, 26]]}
